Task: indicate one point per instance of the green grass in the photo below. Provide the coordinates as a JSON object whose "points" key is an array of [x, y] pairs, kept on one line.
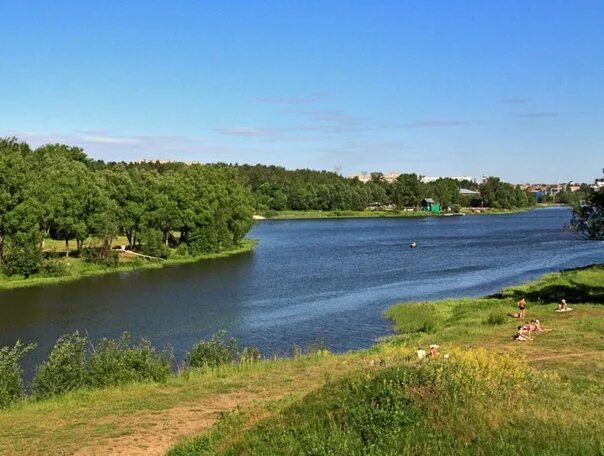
{"points": [[76, 268]]}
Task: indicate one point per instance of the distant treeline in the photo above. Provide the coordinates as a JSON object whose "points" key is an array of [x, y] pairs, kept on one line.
{"points": [[57, 192], [276, 188]]}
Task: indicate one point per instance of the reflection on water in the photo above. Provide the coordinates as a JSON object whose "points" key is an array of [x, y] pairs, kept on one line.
{"points": [[307, 280]]}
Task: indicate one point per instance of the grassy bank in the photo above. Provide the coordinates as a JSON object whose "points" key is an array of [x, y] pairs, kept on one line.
{"points": [[291, 215], [491, 396], [77, 268]]}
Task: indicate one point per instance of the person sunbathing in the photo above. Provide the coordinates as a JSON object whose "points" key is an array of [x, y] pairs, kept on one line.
{"points": [[563, 306], [539, 327], [524, 333]]}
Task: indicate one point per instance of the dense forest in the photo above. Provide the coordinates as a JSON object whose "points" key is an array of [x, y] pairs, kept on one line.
{"points": [[56, 192]]}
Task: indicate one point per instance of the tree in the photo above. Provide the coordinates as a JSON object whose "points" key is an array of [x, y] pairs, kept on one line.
{"points": [[588, 218], [407, 191]]}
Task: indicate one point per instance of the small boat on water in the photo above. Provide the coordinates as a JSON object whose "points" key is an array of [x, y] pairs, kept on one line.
{"points": [[413, 245], [455, 214]]}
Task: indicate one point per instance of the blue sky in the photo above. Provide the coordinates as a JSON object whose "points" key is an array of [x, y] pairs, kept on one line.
{"points": [[513, 88]]}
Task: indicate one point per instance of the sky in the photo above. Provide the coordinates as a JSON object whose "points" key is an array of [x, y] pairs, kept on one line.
{"points": [[440, 88]]}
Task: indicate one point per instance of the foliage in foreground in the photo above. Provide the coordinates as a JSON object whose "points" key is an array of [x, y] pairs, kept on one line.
{"points": [[472, 403], [72, 365], [588, 218], [76, 363], [11, 381]]}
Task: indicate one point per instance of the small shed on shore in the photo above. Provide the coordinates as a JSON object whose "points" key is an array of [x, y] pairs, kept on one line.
{"points": [[428, 204]]}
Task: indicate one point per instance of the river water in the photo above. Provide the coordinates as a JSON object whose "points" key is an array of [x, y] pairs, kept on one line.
{"points": [[307, 280]]}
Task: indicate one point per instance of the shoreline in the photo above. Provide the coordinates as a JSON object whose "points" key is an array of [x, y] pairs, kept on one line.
{"points": [[318, 215], [7, 284]]}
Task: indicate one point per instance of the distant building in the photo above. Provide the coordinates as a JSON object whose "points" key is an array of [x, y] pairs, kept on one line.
{"points": [[391, 177], [428, 204], [428, 179], [469, 193], [540, 190], [363, 177], [573, 187]]}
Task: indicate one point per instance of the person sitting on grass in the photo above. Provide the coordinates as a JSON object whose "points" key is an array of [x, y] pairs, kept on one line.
{"points": [[524, 333], [563, 306]]}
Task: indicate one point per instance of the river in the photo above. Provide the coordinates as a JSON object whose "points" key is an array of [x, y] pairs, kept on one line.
{"points": [[307, 280]]}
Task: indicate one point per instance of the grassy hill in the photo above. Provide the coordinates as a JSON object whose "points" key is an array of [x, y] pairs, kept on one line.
{"points": [[490, 395]]}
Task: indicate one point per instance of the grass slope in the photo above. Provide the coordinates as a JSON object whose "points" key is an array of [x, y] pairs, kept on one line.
{"points": [[492, 395]]}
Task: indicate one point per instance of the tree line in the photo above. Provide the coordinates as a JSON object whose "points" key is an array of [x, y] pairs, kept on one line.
{"points": [[276, 189], [57, 192]]}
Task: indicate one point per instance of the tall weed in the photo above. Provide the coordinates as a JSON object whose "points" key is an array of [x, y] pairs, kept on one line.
{"points": [[11, 373], [117, 361], [66, 368]]}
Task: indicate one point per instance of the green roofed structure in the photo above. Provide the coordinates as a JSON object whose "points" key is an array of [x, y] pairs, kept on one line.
{"points": [[428, 204]]}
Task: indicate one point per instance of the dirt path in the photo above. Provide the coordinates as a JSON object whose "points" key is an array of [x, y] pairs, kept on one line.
{"points": [[569, 355], [155, 433]]}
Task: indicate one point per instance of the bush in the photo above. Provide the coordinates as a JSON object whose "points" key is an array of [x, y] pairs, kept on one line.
{"points": [[154, 244], [92, 255], [182, 250], [23, 255], [116, 361], [250, 355], [11, 374], [213, 352], [53, 268], [495, 319], [66, 368]]}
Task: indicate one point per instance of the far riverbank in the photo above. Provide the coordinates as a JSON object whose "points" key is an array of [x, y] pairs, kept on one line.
{"points": [[77, 268], [294, 215]]}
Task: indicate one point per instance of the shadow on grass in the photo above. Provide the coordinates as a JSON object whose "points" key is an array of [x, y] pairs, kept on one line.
{"points": [[574, 292]]}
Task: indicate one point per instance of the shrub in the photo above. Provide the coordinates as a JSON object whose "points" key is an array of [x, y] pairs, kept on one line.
{"points": [[93, 255], [153, 244], [23, 255], [182, 250], [11, 374], [495, 319], [116, 361], [66, 368], [213, 352], [250, 355], [53, 268]]}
